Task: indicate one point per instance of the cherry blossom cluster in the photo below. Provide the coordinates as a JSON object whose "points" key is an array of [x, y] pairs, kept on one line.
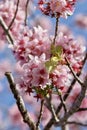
{"points": [[57, 8], [33, 50]]}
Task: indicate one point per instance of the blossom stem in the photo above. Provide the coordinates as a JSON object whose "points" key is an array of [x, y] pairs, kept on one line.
{"points": [[56, 30]]}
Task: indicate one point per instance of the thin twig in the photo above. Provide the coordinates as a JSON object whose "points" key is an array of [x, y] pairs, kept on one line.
{"points": [[81, 109], [20, 103], [8, 33], [40, 116], [56, 30], [71, 86], [64, 127], [74, 74], [26, 7], [52, 108], [75, 106], [75, 123], [12, 21], [62, 101]]}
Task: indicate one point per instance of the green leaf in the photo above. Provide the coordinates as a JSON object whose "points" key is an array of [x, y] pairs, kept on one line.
{"points": [[50, 66], [56, 57], [56, 50]]}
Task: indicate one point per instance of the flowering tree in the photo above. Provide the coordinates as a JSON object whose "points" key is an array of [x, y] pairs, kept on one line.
{"points": [[47, 74]]}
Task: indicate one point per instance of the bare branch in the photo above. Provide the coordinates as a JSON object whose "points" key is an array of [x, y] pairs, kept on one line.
{"points": [[52, 108], [71, 86], [72, 71], [8, 33], [26, 7], [56, 30], [62, 101], [40, 116], [12, 21], [20, 103], [81, 109], [75, 123], [64, 127], [75, 106]]}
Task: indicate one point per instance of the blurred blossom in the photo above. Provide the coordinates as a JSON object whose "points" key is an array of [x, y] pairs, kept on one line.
{"points": [[31, 6], [16, 118], [42, 21], [5, 66], [1, 87], [81, 20], [65, 30]]}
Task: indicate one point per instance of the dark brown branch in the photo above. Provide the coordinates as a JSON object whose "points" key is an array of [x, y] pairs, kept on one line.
{"points": [[12, 21], [56, 30], [72, 71], [20, 103], [26, 7], [76, 105], [8, 33], [40, 116], [51, 108], [62, 101], [64, 127], [71, 86], [81, 109], [75, 123]]}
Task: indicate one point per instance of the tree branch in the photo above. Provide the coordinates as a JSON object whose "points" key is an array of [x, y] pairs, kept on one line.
{"points": [[20, 103], [75, 123], [26, 6], [75, 106], [72, 71], [56, 30], [51, 108], [64, 127], [81, 109], [14, 15], [8, 33], [40, 116]]}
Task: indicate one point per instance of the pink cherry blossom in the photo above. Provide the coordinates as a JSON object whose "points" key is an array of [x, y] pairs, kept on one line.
{"points": [[57, 7], [33, 49], [5, 66], [74, 50], [32, 41]]}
